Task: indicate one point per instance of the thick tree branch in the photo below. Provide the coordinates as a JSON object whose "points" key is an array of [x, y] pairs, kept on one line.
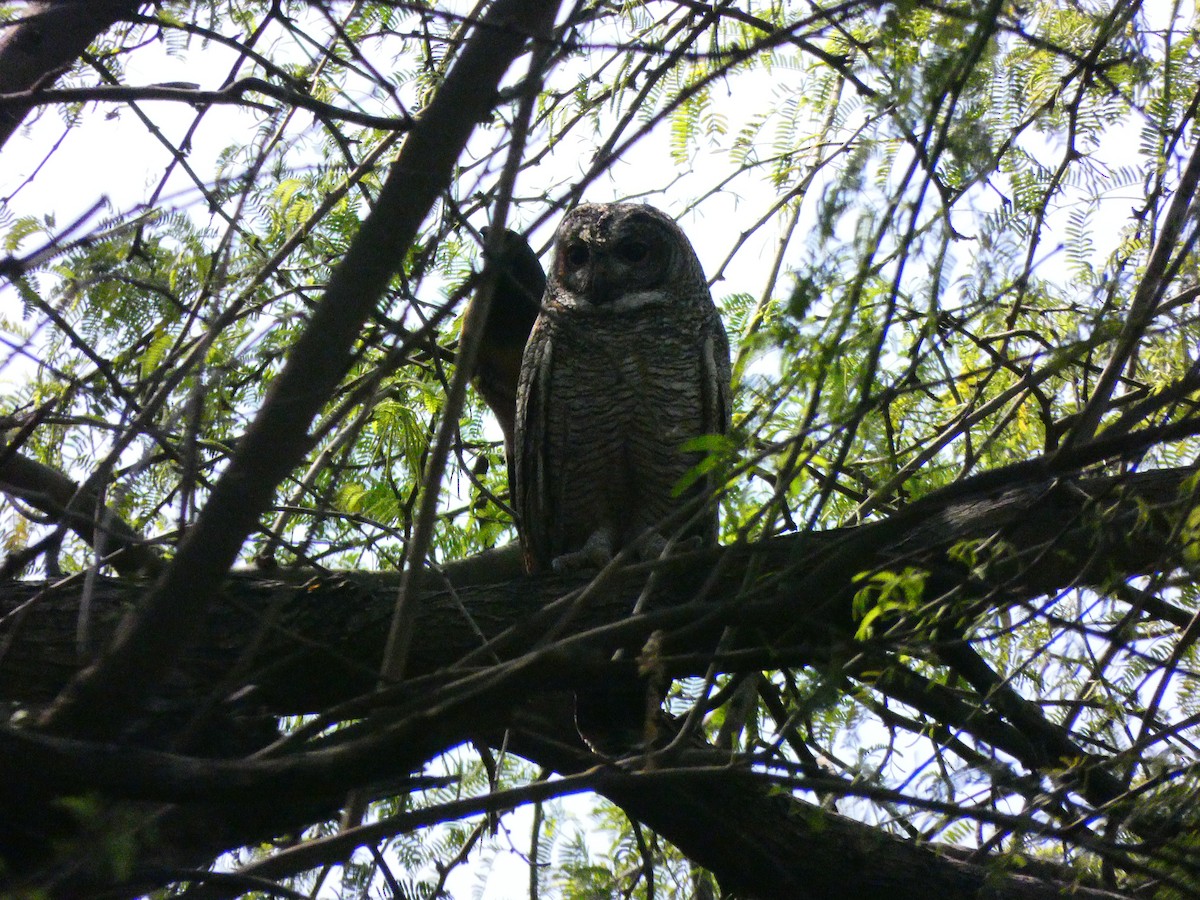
{"points": [[315, 641]]}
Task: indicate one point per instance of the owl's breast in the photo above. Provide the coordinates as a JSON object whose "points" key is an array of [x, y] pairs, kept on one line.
{"points": [[626, 395]]}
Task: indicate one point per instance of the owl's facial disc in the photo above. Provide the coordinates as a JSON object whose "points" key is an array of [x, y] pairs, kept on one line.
{"points": [[609, 269]]}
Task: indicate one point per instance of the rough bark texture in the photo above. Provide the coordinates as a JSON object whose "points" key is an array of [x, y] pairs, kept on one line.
{"points": [[274, 645], [306, 641]]}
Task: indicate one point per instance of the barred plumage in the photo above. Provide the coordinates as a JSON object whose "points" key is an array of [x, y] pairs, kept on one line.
{"points": [[627, 361]]}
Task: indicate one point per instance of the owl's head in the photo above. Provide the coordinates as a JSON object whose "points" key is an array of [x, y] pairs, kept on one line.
{"points": [[621, 256]]}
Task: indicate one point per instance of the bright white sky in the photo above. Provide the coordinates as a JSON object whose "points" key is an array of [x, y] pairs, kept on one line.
{"points": [[112, 155]]}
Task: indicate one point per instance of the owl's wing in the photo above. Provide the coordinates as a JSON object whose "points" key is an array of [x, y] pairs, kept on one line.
{"points": [[718, 376], [528, 475], [717, 394]]}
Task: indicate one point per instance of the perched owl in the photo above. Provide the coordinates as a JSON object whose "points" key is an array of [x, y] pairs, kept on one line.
{"points": [[627, 361]]}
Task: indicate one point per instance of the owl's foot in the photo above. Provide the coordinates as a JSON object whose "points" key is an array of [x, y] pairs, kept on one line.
{"points": [[596, 553], [652, 545]]}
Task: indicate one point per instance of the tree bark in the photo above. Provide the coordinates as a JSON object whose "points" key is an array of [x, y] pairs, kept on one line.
{"points": [[308, 641], [49, 37], [486, 647]]}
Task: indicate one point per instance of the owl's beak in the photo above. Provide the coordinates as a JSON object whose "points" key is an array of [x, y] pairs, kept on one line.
{"points": [[605, 281]]}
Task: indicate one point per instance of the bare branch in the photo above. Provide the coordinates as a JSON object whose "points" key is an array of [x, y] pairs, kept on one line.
{"points": [[53, 493], [278, 438], [231, 95]]}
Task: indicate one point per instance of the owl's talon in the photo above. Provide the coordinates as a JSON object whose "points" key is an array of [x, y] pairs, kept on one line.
{"points": [[596, 553], [651, 546], [654, 546]]}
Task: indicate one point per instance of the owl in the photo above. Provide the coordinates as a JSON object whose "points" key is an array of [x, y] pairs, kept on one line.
{"points": [[627, 361]]}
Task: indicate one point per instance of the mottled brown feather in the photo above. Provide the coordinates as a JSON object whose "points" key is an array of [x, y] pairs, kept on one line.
{"points": [[627, 361]]}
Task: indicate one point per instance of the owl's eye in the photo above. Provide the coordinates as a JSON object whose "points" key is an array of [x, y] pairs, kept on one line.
{"points": [[576, 255], [633, 251]]}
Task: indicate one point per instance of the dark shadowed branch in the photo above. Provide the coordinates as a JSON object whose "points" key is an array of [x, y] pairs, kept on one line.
{"points": [[278, 438], [301, 645]]}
